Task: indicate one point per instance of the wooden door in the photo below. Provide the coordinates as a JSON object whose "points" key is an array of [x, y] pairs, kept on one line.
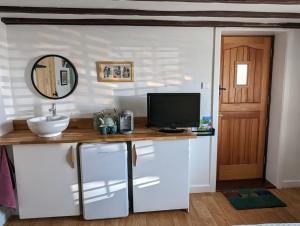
{"points": [[45, 77], [244, 95]]}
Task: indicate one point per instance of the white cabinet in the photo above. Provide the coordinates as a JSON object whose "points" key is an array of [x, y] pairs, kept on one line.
{"points": [[104, 179], [160, 175], [200, 163], [47, 181]]}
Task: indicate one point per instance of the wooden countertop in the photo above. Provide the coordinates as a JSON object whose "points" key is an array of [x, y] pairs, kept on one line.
{"points": [[76, 135]]}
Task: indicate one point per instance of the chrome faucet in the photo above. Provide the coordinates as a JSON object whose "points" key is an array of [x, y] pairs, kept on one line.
{"points": [[53, 109]]}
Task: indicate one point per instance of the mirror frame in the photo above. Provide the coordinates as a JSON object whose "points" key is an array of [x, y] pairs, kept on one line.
{"points": [[54, 55]]}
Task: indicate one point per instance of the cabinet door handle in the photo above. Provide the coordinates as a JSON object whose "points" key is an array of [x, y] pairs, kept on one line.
{"points": [[134, 155], [71, 157]]}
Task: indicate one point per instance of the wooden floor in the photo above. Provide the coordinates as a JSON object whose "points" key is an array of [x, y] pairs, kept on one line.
{"points": [[205, 209]]}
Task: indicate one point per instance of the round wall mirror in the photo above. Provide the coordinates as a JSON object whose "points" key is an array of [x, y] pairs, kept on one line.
{"points": [[54, 76]]}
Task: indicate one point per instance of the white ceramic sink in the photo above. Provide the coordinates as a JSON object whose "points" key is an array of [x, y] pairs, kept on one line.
{"points": [[48, 126]]}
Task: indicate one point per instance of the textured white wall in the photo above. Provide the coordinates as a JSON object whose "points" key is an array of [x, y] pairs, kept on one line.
{"points": [[5, 85], [290, 124], [277, 89], [283, 145], [5, 125], [166, 60]]}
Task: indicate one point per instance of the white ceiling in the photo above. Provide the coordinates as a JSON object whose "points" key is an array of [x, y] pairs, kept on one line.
{"points": [[168, 6]]}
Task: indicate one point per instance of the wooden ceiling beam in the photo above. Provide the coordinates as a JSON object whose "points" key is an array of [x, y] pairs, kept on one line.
{"points": [[279, 2], [128, 12], [126, 22]]}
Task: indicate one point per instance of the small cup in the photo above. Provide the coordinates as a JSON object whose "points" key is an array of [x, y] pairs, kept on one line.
{"points": [[103, 130], [113, 129]]}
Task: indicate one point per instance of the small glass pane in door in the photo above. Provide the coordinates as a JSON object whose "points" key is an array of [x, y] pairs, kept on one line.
{"points": [[241, 74]]}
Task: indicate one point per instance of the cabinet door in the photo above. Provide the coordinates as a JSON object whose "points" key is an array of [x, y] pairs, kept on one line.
{"points": [[47, 182], [160, 175]]}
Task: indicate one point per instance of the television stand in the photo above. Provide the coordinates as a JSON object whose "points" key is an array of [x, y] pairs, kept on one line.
{"points": [[170, 130]]}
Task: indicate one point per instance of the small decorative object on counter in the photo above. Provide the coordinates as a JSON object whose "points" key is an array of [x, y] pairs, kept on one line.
{"points": [[126, 124], [205, 127], [103, 130], [205, 123], [106, 121], [112, 129]]}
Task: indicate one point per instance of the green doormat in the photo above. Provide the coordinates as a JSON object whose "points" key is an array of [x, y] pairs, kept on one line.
{"points": [[242, 199]]}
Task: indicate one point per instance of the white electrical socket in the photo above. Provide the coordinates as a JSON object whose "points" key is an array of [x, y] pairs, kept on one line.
{"points": [[205, 85]]}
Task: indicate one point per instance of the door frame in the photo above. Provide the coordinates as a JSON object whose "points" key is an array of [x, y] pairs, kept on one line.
{"points": [[216, 61], [269, 106], [268, 95]]}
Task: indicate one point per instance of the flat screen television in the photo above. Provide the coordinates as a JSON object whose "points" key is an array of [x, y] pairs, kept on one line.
{"points": [[169, 111]]}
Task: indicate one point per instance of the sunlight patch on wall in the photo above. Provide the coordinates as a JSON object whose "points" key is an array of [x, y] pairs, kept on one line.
{"points": [[165, 60]]}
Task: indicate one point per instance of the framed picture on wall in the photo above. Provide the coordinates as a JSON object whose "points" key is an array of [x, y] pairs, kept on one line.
{"points": [[115, 71], [63, 77]]}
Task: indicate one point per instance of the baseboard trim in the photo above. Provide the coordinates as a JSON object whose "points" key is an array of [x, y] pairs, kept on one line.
{"points": [[201, 188], [290, 183]]}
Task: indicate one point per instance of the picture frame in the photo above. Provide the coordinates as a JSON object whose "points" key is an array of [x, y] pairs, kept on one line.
{"points": [[63, 77], [115, 71]]}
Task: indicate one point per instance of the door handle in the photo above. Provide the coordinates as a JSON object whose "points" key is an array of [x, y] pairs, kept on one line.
{"points": [[134, 155], [221, 88], [71, 157]]}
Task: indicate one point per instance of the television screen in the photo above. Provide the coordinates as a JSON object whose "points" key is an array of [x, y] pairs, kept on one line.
{"points": [[173, 110]]}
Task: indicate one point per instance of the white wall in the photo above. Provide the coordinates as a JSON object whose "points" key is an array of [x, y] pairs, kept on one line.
{"points": [[5, 85], [166, 59], [200, 165], [290, 121], [283, 145], [5, 125], [276, 108]]}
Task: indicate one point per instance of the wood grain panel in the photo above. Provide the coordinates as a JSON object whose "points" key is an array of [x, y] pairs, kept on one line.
{"points": [[81, 131], [245, 89], [233, 58], [205, 209], [238, 138], [89, 136], [282, 2], [225, 80], [142, 22], [258, 75], [112, 11], [239, 171], [239, 146], [251, 92], [243, 108], [252, 66], [45, 77]]}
